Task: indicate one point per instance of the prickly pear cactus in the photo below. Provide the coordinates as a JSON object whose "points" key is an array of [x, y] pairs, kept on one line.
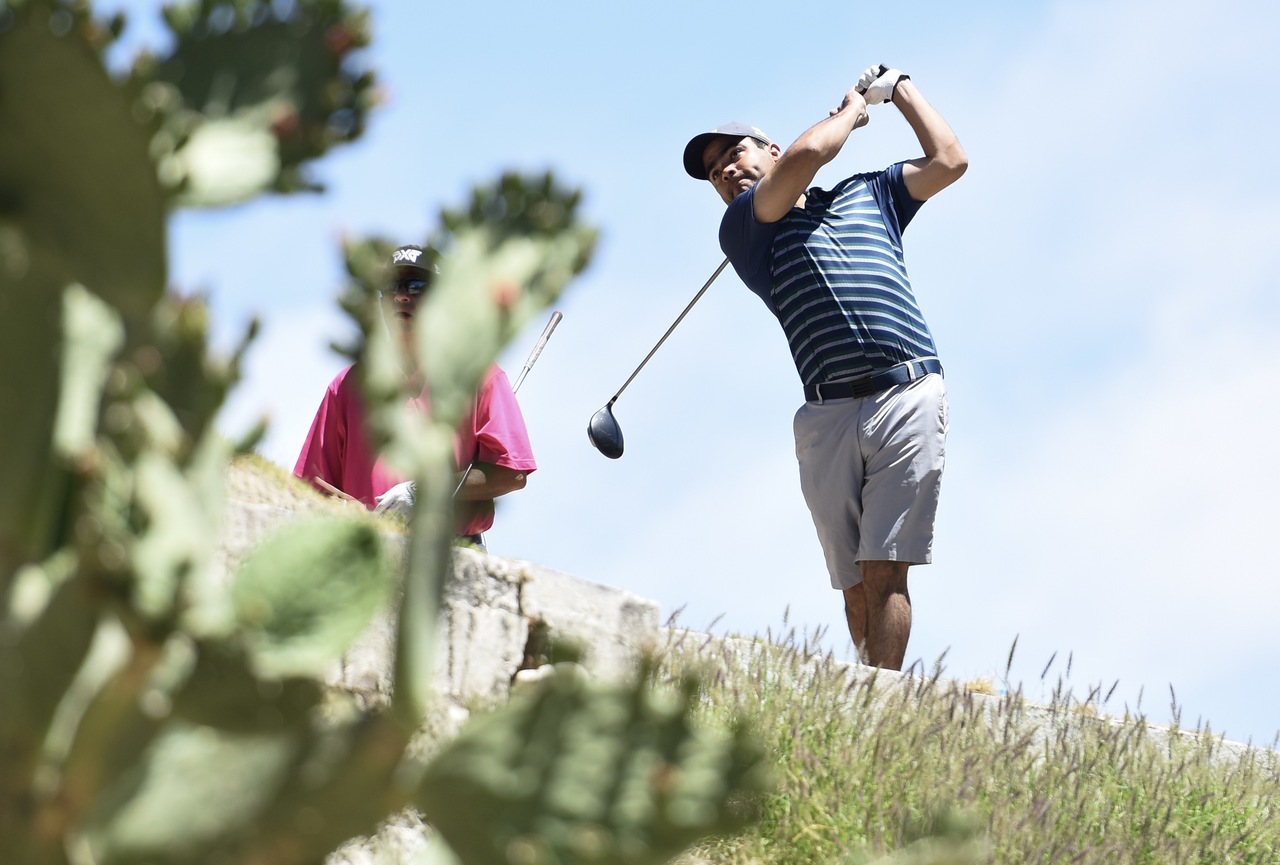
{"points": [[152, 711], [577, 772], [148, 712], [297, 92], [941, 837]]}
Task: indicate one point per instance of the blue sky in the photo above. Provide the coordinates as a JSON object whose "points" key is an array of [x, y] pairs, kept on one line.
{"points": [[1101, 285]]}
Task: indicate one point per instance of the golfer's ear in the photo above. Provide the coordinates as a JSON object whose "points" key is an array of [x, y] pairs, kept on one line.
{"points": [[775, 150]]}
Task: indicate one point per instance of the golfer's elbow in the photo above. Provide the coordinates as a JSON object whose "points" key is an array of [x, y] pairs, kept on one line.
{"points": [[953, 161], [511, 482], [811, 152]]}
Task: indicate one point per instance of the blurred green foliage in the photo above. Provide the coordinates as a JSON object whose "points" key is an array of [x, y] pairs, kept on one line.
{"points": [[570, 774], [152, 708]]}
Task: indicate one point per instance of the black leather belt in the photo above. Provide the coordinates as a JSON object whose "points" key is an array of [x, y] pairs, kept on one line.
{"points": [[867, 385]]}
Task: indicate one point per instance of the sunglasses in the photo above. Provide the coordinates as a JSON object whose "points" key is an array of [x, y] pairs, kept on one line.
{"points": [[411, 287]]}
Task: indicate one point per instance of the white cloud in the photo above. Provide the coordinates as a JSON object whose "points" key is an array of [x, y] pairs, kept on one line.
{"points": [[1117, 503], [1140, 518]]}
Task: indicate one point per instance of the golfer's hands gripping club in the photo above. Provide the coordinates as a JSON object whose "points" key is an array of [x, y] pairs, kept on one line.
{"points": [[398, 500], [878, 83], [868, 78]]}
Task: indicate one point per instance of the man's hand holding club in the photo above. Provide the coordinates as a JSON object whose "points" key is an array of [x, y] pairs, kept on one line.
{"points": [[878, 83]]}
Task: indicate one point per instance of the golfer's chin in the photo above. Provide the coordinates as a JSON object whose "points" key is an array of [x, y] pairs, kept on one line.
{"points": [[732, 192]]}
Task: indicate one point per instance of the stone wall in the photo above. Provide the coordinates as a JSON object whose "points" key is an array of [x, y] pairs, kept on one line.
{"points": [[498, 615], [495, 610]]}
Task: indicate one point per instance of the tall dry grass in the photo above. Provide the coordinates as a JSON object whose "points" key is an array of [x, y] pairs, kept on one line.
{"points": [[867, 762]]}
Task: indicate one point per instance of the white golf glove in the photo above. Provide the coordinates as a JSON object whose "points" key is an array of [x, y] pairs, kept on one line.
{"points": [[878, 83], [398, 500], [868, 77]]}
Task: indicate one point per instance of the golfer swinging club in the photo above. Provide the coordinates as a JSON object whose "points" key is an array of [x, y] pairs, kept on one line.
{"points": [[871, 435]]}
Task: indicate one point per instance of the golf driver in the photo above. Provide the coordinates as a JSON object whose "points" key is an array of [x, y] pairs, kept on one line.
{"points": [[524, 371], [603, 429]]}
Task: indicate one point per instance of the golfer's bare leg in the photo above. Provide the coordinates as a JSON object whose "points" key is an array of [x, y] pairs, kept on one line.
{"points": [[855, 613], [888, 605]]}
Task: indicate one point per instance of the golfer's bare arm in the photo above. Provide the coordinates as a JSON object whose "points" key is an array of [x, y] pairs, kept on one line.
{"points": [[778, 191], [488, 481], [944, 159]]}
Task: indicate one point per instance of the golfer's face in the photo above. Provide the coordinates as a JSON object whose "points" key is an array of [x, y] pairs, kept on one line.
{"points": [[733, 167], [401, 299]]}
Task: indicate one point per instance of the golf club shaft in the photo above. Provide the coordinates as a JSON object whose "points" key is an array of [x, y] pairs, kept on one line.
{"points": [[524, 371], [537, 349], [696, 298]]}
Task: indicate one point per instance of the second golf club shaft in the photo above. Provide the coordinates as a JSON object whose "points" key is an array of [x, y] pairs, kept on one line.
{"points": [[528, 365]]}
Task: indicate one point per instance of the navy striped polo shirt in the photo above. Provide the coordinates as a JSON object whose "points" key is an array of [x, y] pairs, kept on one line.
{"points": [[833, 273]]}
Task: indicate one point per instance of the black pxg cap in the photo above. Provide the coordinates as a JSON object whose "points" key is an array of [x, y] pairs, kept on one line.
{"points": [[409, 267], [693, 150]]}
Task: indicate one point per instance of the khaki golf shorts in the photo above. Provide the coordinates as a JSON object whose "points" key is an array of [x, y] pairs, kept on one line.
{"points": [[870, 470]]}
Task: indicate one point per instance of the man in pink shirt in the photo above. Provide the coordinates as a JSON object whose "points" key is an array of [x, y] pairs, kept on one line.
{"points": [[492, 438]]}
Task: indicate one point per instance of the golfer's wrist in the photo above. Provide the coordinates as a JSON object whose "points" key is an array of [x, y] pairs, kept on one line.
{"points": [[855, 110], [902, 87]]}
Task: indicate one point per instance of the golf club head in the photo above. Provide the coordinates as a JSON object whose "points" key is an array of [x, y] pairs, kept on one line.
{"points": [[604, 433]]}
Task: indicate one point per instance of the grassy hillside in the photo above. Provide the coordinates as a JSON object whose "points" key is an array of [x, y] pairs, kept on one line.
{"points": [[864, 766]]}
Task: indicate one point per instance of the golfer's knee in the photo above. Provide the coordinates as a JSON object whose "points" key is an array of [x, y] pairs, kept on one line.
{"points": [[885, 578], [853, 598]]}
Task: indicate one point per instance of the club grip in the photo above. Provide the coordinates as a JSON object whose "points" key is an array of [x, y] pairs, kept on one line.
{"points": [[882, 69]]}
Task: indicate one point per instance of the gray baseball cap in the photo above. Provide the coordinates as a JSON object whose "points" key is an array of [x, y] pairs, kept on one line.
{"points": [[697, 144]]}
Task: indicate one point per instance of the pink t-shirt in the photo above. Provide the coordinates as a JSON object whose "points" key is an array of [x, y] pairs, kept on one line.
{"points": [[337, 450]]}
